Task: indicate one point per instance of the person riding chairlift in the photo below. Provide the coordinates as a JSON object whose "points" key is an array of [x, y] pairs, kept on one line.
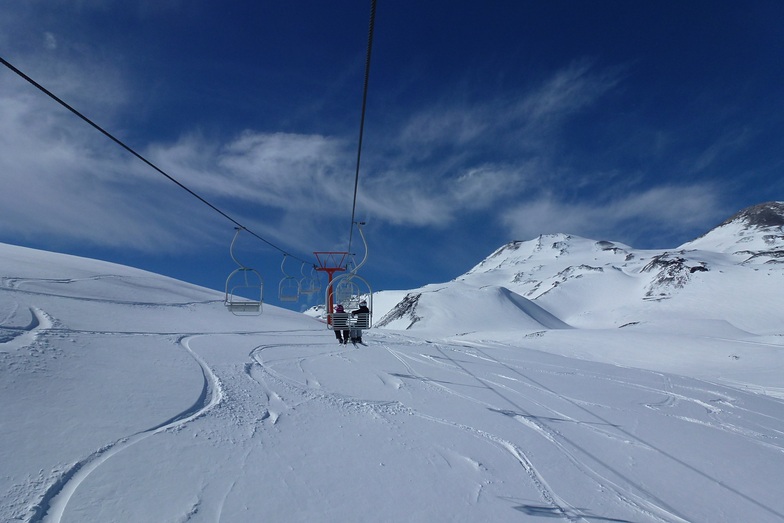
{"points": [[341, 335], [356, 334]]}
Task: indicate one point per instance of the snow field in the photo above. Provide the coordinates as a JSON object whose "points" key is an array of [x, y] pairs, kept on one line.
{"points": [[126, 400]]}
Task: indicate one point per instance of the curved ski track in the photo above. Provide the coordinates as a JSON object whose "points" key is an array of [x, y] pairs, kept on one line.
{"points": [[52, 506]]}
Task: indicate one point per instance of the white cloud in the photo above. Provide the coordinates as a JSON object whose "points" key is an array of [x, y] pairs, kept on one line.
{"points": [[50, 41], [569, 90], [482, 187], [674, 208], [313, 174], [525, 120], [284, 171], [730, 142], [446, 125], [462, 156], [65, 181]]}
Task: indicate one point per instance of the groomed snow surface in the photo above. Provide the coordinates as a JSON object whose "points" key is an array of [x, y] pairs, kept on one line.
{"points": [[130, 397]]}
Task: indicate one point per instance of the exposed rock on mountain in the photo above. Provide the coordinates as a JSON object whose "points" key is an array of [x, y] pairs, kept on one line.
{"points": [[405, 310], [670, 272], [770, 214]]}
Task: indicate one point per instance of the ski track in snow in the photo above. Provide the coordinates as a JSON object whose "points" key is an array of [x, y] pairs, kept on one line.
{"points": [[558, 507], [642, 501], [310, 390], [52, 506], [637, 497], [672, 398], [16, 285], [17, 338]]}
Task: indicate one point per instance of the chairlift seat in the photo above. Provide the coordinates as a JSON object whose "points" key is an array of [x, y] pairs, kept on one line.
{"points": [[360, 321], [239, 307], [340, 320], [289, 289]]}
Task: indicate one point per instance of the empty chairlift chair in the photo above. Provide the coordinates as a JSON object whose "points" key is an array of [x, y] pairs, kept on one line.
{"points": [[309, 284], [244, 287], [289, 288]]}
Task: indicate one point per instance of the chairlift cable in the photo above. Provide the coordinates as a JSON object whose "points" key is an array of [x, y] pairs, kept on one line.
{"points": [[140, 157], [362, 117]]}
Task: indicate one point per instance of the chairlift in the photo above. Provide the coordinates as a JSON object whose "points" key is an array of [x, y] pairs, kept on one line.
{"points": [[349, 290], [309, 284], [244, 287], [315, 278], [289, 289]]}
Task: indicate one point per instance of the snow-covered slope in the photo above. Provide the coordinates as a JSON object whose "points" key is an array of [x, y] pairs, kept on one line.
{"points": [[126, 396], [734, 274], [469, 309]]}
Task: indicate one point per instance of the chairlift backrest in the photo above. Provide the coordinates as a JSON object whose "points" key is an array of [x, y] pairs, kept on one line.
{"points": [[244, 308], [361, 321], [347, 293]]}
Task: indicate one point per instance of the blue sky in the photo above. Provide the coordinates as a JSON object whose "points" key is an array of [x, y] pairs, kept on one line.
{"points": [[646, 123]]}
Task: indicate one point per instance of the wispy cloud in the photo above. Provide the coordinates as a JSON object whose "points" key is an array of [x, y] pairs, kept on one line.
{"points": [[64, 181], [569, 90], [278, 170], [631, 216], [727, 143], [459, 156], [520, 122]]}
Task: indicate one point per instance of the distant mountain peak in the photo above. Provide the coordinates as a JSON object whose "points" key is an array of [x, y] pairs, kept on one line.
{"points": [[768, 214], [756, 232]]}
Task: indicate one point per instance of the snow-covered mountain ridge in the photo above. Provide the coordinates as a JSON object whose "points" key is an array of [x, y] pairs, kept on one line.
{"points": [[599, 284]]}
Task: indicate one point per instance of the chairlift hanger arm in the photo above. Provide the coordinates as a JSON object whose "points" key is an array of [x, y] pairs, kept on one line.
{"points": [[231, 248], [364, 242]]}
